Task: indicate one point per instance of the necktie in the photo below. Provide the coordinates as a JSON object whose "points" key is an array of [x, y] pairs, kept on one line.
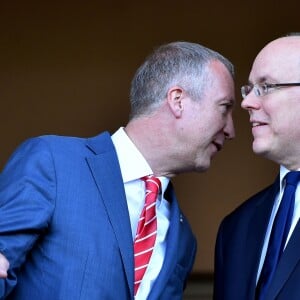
{"points": [[279, 233], [146, 231]]}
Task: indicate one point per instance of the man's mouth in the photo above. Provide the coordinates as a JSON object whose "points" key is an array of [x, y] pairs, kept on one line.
{"points": [[257, 123]]}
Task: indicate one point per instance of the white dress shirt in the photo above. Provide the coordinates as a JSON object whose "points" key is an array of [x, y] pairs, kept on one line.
{"points": [[133, 167], [295, 219]]}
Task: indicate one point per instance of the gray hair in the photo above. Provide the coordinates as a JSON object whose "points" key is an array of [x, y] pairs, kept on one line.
{"points": [[177, 63]]}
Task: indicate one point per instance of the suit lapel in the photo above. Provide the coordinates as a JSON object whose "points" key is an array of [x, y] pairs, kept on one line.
{"points": [[106, 172], [290, 256], [173, 238], [256, 234], [287, 263]]}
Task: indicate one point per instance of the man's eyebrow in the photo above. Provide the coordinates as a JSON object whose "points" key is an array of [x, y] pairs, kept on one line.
{"points": [[230, 101], [260, 79]]}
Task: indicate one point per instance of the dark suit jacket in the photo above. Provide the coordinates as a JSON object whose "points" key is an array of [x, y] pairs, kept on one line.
{"points": [[239, 244], [65, 229]]}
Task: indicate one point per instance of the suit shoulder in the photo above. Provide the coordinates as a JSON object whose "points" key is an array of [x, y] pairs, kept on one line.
{"points": [[69, 143], [44, 146]]}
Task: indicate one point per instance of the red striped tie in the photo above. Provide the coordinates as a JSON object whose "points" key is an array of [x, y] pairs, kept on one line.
{"points": [[146, 231]]}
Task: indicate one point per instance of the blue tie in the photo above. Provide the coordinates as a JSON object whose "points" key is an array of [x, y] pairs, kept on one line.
{"points": [[279, 233]]}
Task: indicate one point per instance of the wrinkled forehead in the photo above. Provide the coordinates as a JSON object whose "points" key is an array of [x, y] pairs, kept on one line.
{"points": [[277, 61]]}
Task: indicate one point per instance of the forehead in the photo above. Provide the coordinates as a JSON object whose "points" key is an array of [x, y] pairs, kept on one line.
{"points": [[218, 73], [220, 83], [279, 60]]}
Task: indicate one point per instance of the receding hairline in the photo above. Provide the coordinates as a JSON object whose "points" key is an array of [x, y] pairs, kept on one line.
{"points": [[292, 40]]}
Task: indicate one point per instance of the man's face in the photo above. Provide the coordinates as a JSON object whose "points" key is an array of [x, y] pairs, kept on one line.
{"points": [[208, 121], [275, 116]]}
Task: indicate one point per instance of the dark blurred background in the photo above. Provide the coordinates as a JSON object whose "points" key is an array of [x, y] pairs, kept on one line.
{"points": [[66, 67]]}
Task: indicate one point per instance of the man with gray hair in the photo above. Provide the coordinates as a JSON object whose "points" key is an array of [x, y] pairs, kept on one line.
{"points": [[76, 222]]}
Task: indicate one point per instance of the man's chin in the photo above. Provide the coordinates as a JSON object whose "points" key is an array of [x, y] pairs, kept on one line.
{"points": [[260, 150], [203, 167]]}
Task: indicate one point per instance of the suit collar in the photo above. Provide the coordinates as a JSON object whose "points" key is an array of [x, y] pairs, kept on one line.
{"points": [[100, 143], [256, 233], [107, 175], [290, 256], [287, 263], [173, 238]]}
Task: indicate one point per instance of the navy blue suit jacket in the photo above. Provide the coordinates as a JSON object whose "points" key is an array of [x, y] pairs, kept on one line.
{"points": [[65, 229], [238, 249]]}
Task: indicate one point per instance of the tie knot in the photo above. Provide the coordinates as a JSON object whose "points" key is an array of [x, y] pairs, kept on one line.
{"points": [[292, 177], [152, 183]]}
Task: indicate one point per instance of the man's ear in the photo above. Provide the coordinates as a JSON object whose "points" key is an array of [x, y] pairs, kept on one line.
{"points": [[175, 97]]}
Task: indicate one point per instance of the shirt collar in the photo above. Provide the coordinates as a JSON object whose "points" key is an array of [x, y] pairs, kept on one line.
{"points": [[283, 172], [132, 163]]}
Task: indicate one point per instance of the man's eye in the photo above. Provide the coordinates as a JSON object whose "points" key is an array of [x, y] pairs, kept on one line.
{"points": [[227, 106], [265, 87]]}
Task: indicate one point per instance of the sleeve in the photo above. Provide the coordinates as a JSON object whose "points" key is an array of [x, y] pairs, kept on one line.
{"points": [[27, 199]]}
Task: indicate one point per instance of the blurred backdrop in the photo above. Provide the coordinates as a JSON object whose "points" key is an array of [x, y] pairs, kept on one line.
{"points": [[66, 67]]}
